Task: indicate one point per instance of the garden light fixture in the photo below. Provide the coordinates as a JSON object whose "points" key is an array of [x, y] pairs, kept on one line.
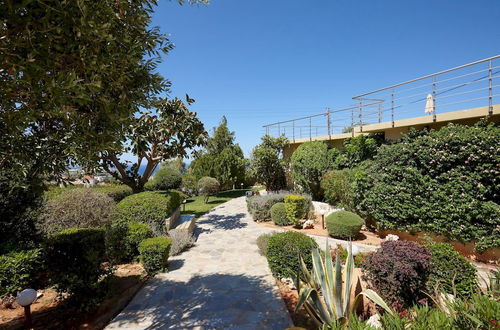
{"points": [[184, 205], [322, 212], [25, 298]]}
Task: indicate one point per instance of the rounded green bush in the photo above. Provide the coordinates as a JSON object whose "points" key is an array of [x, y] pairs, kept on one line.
{"points": [[115, 191], [208, 186], [167, 178], [283, 250], [450, 271], [154, 254], [136, 233], [81, 208], [150, 207], [278, 215], [344, 224]]}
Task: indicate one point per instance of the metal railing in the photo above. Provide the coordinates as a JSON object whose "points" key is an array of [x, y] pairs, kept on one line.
{"points": [[464, 87]]}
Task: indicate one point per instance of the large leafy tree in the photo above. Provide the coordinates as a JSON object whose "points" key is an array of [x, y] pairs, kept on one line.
{"points": [[222, 158], [152, 138], [268, 163]]}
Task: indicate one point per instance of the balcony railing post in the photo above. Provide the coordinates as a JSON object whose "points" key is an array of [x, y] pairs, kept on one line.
{"points": [[392, 107], [328, 123], [380, 112], [360, 114], [279, 130], [352, 122], [434, 99], [490, 87]]}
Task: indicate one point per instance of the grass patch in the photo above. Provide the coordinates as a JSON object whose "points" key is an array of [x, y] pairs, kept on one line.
{"points": [[197, 207]]}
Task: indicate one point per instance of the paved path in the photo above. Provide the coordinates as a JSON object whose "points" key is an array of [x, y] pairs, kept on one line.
{"points": [[220, 283]]}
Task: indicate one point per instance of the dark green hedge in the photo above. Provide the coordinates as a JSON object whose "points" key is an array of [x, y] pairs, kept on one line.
{"points": [[20, 270], [445, 181], [150, 207], [154, 254], [278, 215]]}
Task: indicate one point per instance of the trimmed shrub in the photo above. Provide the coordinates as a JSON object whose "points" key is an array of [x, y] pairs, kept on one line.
{"points": [[154, 254], [19, 270], [337, 186], [296, 207], [122, 240], [116, 192], [344, 224], [444, 181], [74, 258], [167, 178], [78, 208], [208, 186], [262, 243], [150, 207], [450, 271], [398, 271], [283, 252], [260, 206], [136, 233], [181, 240], [189, 184], [278, 215], [308, 163]]}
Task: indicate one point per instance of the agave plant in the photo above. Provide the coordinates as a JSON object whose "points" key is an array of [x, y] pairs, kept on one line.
{"points": [[325, 292]]}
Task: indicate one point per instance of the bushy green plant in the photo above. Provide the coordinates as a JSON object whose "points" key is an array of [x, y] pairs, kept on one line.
{"points": [[398, 270], [477, 312], [450, 271], [443, 181], [357, 149], [117, 191], [309, 162], [154, 254], [278, 215], [326, 291], [74, 258], [337, 186], [122, 240], [136, 233], [150, 207], [81, 208], [283, 252], [208, 186], [268, 163], [189, 184], [19, 270], [260, 206], [296, 208], [262, 243], [165, 178], [344, 224]]}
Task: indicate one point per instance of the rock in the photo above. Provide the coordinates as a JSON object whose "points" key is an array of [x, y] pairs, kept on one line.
{"points": [[308, 224], [374, 321], [391, 237], [289, 283]]}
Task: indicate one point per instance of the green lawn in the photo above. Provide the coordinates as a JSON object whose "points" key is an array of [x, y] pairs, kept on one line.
{"points": [[196, 205]]}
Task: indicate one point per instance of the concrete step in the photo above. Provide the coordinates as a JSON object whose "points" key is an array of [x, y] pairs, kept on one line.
{"points": [[185, 222]]}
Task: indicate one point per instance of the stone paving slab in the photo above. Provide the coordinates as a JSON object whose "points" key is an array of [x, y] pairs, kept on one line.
{"points": [[220, 283]]}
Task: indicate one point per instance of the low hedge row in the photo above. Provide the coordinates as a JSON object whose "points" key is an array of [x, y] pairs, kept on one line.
{"points": [[154, 254], [260, 206]]}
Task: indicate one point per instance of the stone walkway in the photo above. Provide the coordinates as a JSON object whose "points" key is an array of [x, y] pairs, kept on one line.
{"points": [[220, 283]]}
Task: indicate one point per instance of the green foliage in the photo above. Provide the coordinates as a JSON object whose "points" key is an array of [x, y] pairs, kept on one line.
{"points": [[338, 190], [150, 207], [477, 312], [450, 271], [136, 233], [296, 208], [20, 270], [77, 208], [154, 254], [97, 68], [122, 240], [208, 186], [344, 224], [170, 132], [222, 158], [260, 206], [189, 184], [117, 191], [166, 178], [444, 181], [284, 249], [74, 258], [326, 292], [268, 163], [356, 150], [278, 215], [309, 162], [262, 243]]}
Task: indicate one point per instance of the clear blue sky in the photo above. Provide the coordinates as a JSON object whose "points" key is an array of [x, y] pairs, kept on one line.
{"points": [[259, 61]]}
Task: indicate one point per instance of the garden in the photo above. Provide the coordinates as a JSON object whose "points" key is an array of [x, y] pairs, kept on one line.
{"points": [[413, 226]]}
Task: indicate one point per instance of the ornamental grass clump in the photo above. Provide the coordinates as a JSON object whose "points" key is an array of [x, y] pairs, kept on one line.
{"points": [[398, 270], [344, 224], [154, 254]]}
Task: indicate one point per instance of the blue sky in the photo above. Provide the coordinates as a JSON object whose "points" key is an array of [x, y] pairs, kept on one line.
{"points": [[258, 62]]}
